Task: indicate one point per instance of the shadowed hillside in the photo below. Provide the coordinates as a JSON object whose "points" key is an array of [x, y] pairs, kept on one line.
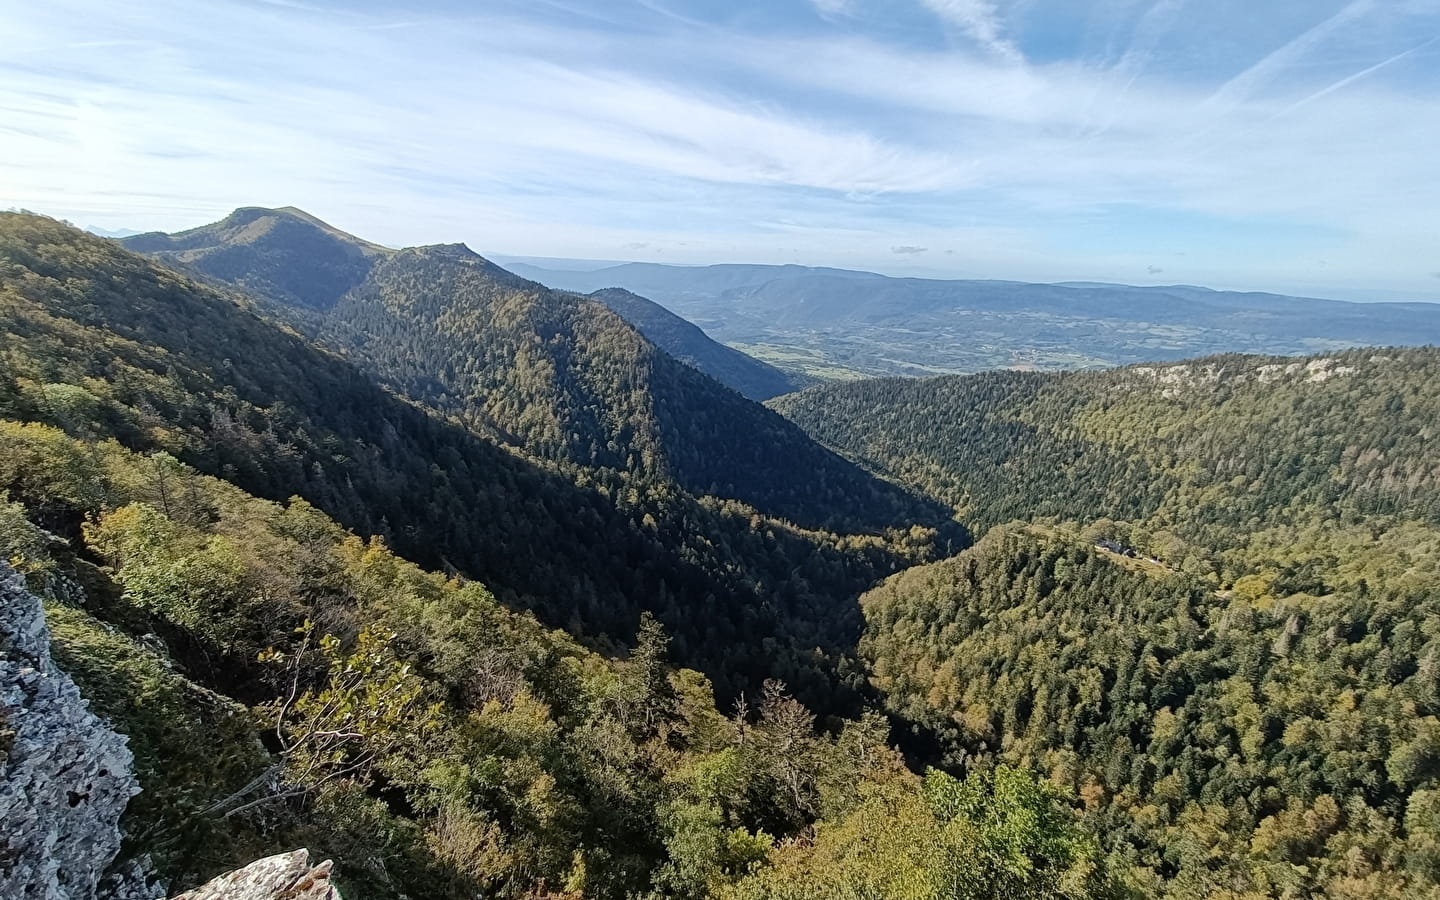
{"points": [[690, 345]]}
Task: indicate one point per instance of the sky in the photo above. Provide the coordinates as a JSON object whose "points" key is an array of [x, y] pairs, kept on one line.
{"points": [[1287, 145]]}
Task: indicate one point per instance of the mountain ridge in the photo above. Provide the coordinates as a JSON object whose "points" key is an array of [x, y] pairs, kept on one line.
{"points": [[688, 343], [560, 376]]}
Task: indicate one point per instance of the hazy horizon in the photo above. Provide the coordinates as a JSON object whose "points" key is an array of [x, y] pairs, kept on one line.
{"points": [[563, 263]]}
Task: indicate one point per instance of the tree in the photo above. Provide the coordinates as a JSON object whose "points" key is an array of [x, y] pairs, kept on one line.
{"points": [[993, 836], [370, 709], [646, 699]]}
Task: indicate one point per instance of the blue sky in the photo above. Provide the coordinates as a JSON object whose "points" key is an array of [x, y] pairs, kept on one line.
{"points": [[1270, 144]]}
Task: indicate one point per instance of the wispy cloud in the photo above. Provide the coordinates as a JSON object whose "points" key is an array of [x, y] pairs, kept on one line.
{"points": [[1357, 76], [1274, 63], [861, 140], [833, 8], [980, 20]]}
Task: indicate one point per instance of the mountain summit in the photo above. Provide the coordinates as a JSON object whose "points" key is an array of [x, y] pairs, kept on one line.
{"points": [[284, 253]]}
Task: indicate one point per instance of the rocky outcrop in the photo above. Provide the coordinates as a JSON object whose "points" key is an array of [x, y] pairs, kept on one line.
{"points": [[65, 779], [65, 776], [287, 876]]}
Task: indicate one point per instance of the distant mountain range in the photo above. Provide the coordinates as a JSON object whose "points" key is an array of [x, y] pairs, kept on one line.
{"points": [[834, 323], [493, 428], [112, 233]]}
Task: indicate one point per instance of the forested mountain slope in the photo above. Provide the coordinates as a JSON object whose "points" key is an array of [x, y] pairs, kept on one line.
{"points": [[1211, 455], [284, 683], [1244, 744], [105, 344], [1251, 711], [690, 345], [566, 379]]}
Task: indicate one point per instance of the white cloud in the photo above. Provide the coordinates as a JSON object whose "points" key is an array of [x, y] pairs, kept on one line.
{"points": [[1356, 76], [980, 20], [833, 8], [1273, 65]]}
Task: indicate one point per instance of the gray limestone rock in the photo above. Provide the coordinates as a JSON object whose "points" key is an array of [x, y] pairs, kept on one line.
{"points": [[286, 876], [65, 776], [65, 779]]}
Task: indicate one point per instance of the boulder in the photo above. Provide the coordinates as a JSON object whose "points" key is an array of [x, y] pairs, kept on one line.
{"points": [[285, 876]]}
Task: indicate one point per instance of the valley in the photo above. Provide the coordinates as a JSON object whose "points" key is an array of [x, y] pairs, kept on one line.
{"points": [[841, 324]]}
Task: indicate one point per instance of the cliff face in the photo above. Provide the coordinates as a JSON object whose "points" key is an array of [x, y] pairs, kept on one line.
{"points": [[65, 776]]}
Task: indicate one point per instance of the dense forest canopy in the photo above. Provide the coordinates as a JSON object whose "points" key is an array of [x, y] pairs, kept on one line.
{"points": [[395, 555], [1236, 741], [1216, 619], [1219, 459], [431, 741]]}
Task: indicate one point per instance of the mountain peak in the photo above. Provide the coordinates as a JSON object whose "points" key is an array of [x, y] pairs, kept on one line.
{"points": [[284, 253], [287, 216], [457, 250]]}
